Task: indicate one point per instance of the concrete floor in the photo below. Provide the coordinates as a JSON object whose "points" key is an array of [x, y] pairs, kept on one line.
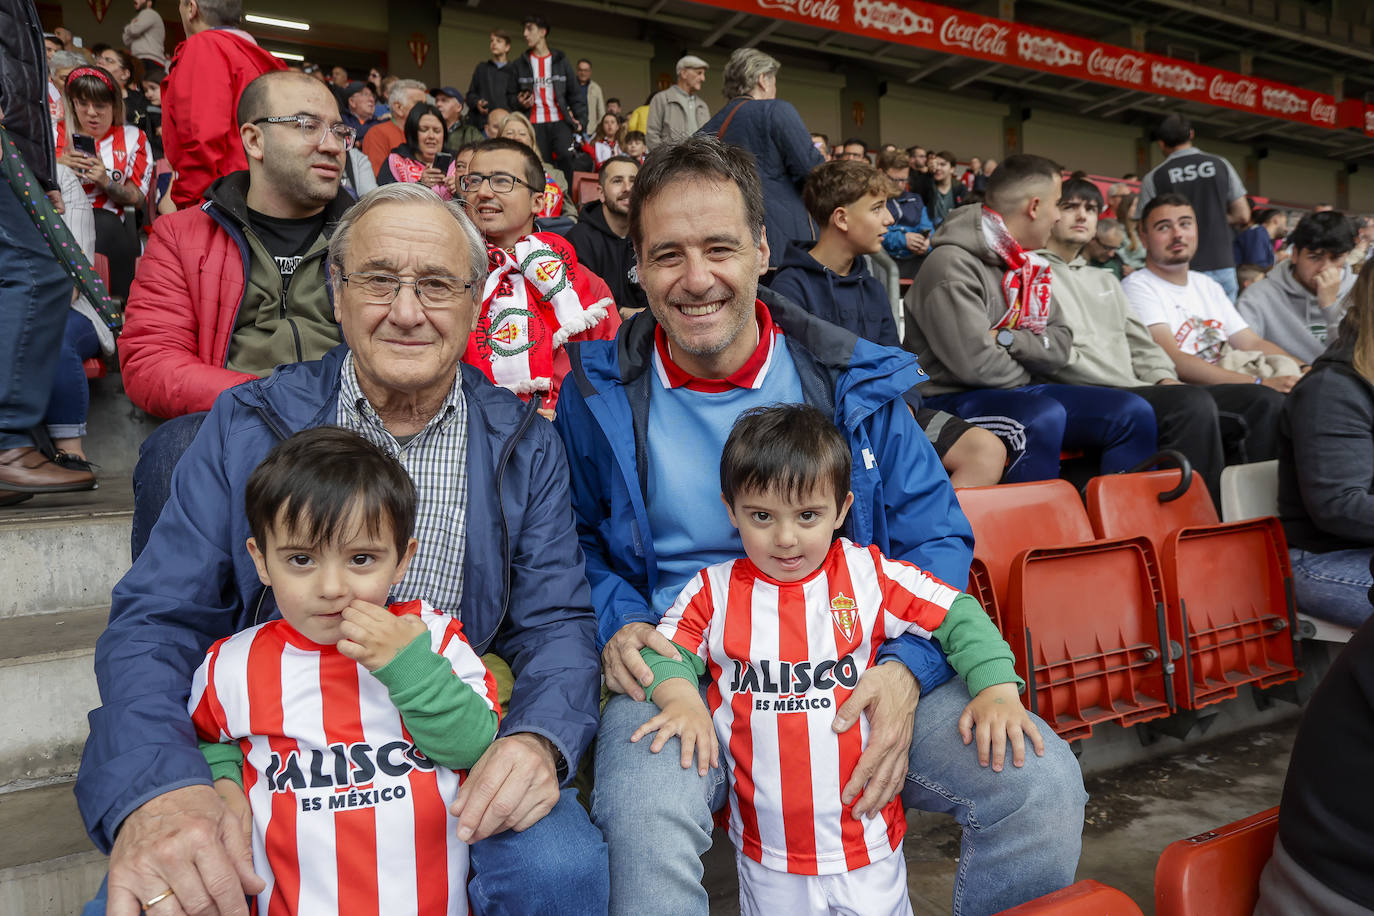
{"points": [[1133, 813]]}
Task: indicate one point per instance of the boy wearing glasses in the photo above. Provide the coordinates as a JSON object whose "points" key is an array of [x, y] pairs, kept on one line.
{"points": [[537, 297]]}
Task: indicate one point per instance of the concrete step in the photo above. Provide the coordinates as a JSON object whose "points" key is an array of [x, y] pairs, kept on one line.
{"points": [[48, 866], [115, 428]]}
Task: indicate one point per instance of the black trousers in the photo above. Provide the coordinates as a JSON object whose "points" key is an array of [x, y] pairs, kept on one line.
{"points": [[555, 140], [1216, 425], [118, 243]]}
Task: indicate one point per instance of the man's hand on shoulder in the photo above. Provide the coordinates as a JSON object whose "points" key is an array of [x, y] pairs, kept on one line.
{"points": [[623, 665], [189, 842], [888, 693], [512, 786]]}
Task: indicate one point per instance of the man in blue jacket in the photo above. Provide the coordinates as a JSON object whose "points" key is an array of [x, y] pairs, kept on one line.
{"points": [[501, 554], [644, 419]]}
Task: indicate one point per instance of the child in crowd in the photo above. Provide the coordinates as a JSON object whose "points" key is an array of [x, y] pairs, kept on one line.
{"points": [[346, 722], [1249, 274], [635, 145], [786, 634]]}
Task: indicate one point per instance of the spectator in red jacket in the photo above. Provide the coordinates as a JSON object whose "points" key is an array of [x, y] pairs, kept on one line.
{"points": [[207, 75], [227, 292]]}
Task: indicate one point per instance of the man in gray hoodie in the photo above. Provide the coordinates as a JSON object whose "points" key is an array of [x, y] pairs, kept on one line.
{"points": [[1303, 296], [983, 323]]}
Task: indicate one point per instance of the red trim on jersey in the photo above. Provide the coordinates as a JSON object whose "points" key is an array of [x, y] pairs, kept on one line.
{"points": [[749, 375], [736, 644], [341, 716], [263, 674], [794, 742], [453, 631]]}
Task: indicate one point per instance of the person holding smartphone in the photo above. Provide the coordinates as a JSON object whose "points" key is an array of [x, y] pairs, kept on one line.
{"points": [[421, 158], [114, 162]]}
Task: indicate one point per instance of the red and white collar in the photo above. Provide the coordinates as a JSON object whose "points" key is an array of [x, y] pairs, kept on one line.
{"points": [[750, 375]]}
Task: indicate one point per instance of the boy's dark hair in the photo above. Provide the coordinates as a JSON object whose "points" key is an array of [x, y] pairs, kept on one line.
{"points": [[788, 449], [948, 157], [316, 480], [613, 99], [856, 141], [1174, 130], [538, 22], [832, 185], [1172, 199], [1248, 273], [1080, 189], [1330, 231], [634, 135], [534, 169], [622, 158], [501, 34], [702, 157]]}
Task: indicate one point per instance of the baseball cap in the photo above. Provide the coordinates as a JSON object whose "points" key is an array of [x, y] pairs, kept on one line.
{"points": [[353, 89], [449, 91], [691, 62]]}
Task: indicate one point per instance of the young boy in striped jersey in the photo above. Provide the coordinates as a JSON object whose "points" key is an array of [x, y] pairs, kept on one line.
{"points": [[785, 636], [346, 722]]}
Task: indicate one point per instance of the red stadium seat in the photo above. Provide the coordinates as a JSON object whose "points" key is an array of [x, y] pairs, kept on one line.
{"points": [[1228, 586], [584, 187], [95, 368], [1216, 873], [1034, 549], [1086, 898]]}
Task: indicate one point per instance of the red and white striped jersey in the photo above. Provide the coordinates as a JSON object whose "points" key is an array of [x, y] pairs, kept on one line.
{"points": [[126, 154], [782, 657], [348, 815], [545, 108]]}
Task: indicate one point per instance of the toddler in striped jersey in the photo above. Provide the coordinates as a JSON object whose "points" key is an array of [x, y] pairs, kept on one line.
{"points": [[346, 723], [783, 637]]}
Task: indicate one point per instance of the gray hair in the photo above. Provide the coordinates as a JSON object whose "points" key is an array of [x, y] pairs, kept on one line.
{"points": [[743, 69], [63, 60], [410, 195], [1107, 224], [399, 89], [217, 13]]}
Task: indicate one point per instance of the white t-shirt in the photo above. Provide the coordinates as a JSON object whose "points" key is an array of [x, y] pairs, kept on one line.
{"points": [[1199, 314]]}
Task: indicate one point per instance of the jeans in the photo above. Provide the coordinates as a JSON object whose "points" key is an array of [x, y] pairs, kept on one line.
{"points": [[1226, 276], [71, 393], [1022, 827], [157, 458], [35, 299], [558, 866], [1117, 424], [1333, 585]]}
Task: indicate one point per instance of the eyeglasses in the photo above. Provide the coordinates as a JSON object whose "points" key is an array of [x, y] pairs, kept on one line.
{"points": [[500, 182], [313, 128], [433, 292]]}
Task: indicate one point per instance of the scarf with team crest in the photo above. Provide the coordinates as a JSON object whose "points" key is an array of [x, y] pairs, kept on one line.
{"points": [[1026, 283]]}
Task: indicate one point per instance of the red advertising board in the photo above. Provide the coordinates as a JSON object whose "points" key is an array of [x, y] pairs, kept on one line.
{"points": [[941, 28]]}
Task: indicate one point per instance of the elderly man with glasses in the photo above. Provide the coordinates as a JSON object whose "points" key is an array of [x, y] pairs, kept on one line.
{"points": [[500, 553]]}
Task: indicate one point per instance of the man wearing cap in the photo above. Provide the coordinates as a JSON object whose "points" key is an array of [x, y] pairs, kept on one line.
{"points": [[457, 131], [547, 91], [359, 107], [678, 111]]}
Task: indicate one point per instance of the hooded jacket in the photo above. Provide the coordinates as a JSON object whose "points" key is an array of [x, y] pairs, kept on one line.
{"points": [[923, 183], [194, 279], [1326, 456], [608, 255], [524, 592], [857, 301], [567, 93], [493, 85], [200, 99], [902, 498], [1280, 310], [954, 303], [24, 89]]}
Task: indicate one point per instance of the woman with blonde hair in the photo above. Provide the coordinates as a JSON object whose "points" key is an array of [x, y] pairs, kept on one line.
{"points": [[1326, 469]]}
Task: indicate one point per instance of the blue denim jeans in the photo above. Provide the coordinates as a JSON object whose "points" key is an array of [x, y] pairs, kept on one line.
{"points": [[157, 458], [557, 866], [1226, 276], [1022, 827], [1334, 585], [35, 299], [71, 393]]}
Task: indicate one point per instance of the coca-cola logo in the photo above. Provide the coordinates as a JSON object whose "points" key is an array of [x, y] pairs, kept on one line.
{"points": [[1124, 68], [1049, 51], [1322, 111], [1282, 101], [1179, 79], [819, 10], [889, 17], [1233, 92], [987, 38]]}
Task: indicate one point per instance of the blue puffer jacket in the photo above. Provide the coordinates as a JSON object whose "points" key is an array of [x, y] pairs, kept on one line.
{"points": [[903, 501], [525, 594], [908, 215]]}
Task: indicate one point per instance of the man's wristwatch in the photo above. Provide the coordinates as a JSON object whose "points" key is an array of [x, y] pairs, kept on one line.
{"points": [[1005, 339]]}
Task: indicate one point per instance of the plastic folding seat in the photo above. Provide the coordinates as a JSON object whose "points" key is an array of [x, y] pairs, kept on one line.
{"points": [[1051, 579], [584, 187], [1228, 586], [1216, 873], [1086, 898]]}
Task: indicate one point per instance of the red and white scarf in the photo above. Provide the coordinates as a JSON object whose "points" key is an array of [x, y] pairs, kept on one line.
{"points": [[553, 199], [1026, 284], [533, 302]]}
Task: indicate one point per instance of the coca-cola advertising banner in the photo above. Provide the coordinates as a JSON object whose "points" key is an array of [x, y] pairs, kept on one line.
{"points": [[940, 28]]}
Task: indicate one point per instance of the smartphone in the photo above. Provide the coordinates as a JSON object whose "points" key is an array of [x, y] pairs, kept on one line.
{"points": [[84, 143], [443, 161]]}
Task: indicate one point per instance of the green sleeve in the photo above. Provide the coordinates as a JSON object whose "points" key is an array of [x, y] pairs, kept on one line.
{"points": [[226, 760], [689, 665], [974, 647], [449, 721]]}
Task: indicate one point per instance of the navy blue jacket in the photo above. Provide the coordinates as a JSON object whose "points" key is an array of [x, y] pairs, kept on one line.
{"points": [[772, 130], [856, 302], [908, 215], [1253, 246], [903, 501], [525, 594]]}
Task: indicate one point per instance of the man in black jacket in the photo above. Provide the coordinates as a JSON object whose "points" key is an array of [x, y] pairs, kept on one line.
{"points": [[547, 91], [601, 236], [939, 191], [493, 82]]}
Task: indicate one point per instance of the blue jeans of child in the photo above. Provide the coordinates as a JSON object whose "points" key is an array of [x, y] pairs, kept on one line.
{"points": [[1117, 424], [71, 393], [1334, 585], [1022, 827]]}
